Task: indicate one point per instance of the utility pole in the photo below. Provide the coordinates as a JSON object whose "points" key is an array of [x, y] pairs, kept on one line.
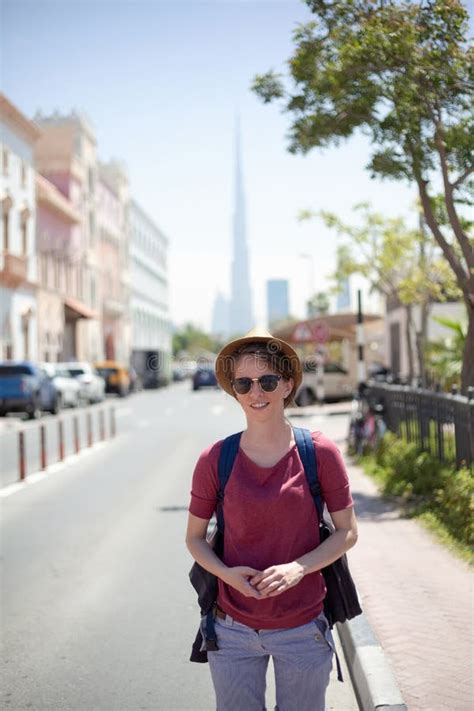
{"points": [[361, 372]]}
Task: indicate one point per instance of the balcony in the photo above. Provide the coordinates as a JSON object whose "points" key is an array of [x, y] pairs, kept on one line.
{"points": [[13, 270]]}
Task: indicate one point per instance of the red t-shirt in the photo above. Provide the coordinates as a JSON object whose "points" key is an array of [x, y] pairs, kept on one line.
{"points": [[270, 518]]}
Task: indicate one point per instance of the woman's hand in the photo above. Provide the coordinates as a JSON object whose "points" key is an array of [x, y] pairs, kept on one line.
{"points": [[277, 579], [239, 578]]}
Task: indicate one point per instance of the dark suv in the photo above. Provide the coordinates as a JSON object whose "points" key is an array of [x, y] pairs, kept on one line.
{"points": [[204, 377], [24, 388]]}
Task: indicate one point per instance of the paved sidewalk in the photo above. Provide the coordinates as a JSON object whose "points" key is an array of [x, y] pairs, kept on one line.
{"points": [[418, 599]]}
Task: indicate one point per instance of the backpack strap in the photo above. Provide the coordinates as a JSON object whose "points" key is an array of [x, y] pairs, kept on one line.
{"points": [[307, 452], [228, 453]]}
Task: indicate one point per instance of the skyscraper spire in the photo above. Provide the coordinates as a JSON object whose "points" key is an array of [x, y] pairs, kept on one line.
{"points": [[241, 319]]}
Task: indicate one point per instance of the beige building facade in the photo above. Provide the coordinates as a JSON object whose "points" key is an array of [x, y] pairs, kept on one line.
{"points": [[66, 155], [112, 218]]}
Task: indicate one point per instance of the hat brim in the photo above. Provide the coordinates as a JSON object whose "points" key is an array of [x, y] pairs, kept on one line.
{"points": [[224, 361]]}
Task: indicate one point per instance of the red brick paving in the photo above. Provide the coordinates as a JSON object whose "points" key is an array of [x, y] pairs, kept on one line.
{"points": [[419, 600]]}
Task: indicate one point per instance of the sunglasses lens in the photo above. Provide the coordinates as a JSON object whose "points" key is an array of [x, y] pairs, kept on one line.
{"points": [[268, 383], [242, 385]]}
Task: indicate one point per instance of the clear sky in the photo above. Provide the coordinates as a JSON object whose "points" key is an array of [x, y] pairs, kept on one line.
{"points": [[161, 81]]}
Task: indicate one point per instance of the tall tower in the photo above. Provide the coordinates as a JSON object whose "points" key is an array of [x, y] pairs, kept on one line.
{"points": [[241, 319]]}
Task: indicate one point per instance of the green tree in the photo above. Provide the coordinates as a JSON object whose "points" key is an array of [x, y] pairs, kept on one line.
{"points": [[403, 265], [444, 357], [318, 304], [402, 72], [193, 341]]}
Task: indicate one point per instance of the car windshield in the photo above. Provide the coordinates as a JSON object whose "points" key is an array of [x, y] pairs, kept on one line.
{"points": [[105, 372], [76, 371], [6, 370]]}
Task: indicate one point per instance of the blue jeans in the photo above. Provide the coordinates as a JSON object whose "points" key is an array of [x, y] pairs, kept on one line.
{"points": [[302, 659]]}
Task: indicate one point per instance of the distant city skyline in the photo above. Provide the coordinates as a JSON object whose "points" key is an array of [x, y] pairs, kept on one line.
{"points": [[161, 82], [241, 317], [277, 300]]}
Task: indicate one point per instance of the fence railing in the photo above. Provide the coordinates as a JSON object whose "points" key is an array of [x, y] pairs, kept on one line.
{"points": [[439, 423]]}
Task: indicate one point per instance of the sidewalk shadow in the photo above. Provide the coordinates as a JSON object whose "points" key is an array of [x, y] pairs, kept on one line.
{"points": [[371, 507]]}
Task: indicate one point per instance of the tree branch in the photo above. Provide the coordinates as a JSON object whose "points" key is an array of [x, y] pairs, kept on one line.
{"points": [[462, 177], [448, 251], [466, 248]]}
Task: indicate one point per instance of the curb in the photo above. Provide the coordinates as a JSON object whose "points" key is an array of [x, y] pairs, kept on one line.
{"points": [[371, 674]]}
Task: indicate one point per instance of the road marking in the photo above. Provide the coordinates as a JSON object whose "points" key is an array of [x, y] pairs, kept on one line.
{"points": [[217, 409], [36, 477], [11, 489], [143, 423]]}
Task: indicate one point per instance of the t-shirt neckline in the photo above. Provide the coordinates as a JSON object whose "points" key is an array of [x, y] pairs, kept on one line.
{"points": [[259, 466]]}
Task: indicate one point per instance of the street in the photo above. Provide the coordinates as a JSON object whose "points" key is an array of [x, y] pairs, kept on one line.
{"points": [[98, 612]]}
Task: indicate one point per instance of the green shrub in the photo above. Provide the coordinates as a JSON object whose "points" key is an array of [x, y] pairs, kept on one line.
{"points": [[455, 505], [431, 487]]}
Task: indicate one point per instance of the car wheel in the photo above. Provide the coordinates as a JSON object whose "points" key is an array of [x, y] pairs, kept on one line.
{"points": [[306, 397], [58, 406], [34, 412]]}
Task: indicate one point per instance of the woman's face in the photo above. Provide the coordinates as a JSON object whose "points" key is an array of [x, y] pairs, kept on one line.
{"points": [[258, 404]]}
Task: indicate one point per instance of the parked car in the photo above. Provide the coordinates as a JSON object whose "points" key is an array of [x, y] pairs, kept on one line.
{"points": [[204, 377], [67, 389], [24, 388], [116, 377], [337, 382], [92, 386]]}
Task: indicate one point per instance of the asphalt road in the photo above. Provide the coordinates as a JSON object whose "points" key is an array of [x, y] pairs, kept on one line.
{"points": [[98, 613]]}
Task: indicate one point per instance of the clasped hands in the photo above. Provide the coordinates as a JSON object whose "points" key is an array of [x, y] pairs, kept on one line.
{"points": [[266, 583]]}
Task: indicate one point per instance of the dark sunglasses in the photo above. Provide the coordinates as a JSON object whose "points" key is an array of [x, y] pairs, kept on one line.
{"points": [[268, 383]]}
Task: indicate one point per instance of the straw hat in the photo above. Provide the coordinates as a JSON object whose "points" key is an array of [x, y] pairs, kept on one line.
{"points": [[273, 345]]}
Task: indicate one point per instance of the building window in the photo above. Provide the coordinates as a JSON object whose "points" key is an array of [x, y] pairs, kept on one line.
{"points": [[91, 180], [91, 228], [93, 292], [5, 161], [56, 273], [24, 174], [24, 234], [6, 230]]}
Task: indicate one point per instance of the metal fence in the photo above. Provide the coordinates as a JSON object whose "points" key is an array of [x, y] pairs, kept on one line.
{"points": [[439, 423]]}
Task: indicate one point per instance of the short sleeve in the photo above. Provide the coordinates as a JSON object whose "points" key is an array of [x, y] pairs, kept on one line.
{"points": [[332, 473], [205, 483]]}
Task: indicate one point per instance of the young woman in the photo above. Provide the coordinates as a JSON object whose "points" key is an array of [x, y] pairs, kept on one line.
{"points": [[271, 590]]}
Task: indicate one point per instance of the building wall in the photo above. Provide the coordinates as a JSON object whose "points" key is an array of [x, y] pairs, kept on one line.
{"points": [[149, 292], [18, 215], [50, 326], [453, 311], [112, 211], [16, 308], [66, 154]]}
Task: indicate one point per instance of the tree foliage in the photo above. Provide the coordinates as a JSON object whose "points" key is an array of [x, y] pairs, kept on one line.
{"points": [[402, 73], [404, 265], [318, 304], [192, 341], [444, 356]]}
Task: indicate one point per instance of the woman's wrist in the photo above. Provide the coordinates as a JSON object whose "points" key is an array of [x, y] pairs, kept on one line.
{"points": [[302, 568]]}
